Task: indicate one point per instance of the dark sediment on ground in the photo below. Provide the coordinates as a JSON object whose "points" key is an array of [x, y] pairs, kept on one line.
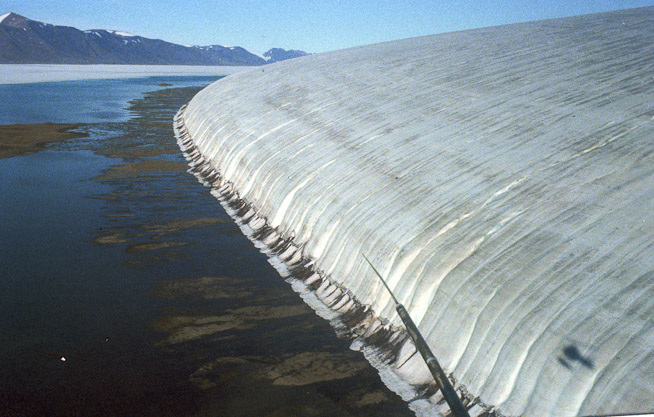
{"points": [[217, 332], [24, 139]]}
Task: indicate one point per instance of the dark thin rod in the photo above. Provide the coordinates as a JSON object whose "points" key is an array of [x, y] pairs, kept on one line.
{"points": [[443, 383], [382, 279]]}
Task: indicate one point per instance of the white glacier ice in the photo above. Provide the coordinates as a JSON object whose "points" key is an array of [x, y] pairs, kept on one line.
{"points": [[501, 179]]}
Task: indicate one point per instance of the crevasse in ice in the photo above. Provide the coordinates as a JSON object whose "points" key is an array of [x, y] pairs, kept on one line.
{"points": [[502, 179]]}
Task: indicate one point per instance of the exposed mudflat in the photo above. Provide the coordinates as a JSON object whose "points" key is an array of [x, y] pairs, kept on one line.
{"points": [[24, 139]]}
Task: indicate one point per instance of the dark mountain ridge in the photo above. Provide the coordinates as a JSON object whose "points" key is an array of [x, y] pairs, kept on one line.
{"points": [[26, 41]]}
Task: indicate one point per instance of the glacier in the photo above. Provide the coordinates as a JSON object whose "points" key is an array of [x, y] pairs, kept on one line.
{"points": [[501, 179]]}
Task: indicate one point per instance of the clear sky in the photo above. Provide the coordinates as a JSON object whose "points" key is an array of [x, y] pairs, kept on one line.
{"points": [[313, 26]]}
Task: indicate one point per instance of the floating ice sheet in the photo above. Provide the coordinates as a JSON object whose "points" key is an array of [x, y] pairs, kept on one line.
{"points": [[36, 73]]}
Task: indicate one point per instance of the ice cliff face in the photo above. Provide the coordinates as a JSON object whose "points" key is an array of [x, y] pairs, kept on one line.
{"points": [[502, 179]]}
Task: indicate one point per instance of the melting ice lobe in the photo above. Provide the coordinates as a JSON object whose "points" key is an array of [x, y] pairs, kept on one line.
{"points": [[502, 179]]}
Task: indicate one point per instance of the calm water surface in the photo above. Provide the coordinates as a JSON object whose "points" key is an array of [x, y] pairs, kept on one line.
{"points": [[83, 101], [116, 259]]}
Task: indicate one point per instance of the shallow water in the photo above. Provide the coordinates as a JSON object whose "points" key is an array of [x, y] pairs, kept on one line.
{"points": [[81, 101], [117, 260]]}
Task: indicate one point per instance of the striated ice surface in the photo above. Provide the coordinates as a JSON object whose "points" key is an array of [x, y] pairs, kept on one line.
{"points": [[502, 179]]}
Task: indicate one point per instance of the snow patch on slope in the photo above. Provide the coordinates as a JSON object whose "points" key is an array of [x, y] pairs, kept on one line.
{"points": [[124, 34], [93, 32]]}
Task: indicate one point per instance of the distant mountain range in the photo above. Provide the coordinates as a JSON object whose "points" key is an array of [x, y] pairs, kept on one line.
{"points": [[26, 41]]}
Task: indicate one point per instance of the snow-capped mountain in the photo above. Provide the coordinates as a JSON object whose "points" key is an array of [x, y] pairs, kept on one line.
{"points": [[26, 41]]}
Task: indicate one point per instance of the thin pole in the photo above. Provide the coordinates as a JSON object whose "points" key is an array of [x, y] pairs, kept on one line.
{"points": [[443, 383]]}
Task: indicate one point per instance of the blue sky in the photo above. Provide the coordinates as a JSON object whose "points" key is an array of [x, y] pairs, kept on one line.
{"points": [[313, 26]]}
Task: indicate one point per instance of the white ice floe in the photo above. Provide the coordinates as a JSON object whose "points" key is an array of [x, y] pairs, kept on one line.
{"points": [[34, 73], [501, 179]]}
